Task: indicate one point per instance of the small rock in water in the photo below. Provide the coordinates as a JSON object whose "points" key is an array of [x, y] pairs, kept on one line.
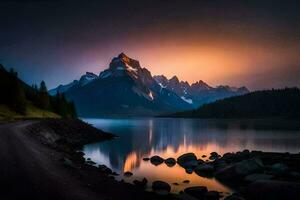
{"points": [[88, 159], [214, 156], [189, 170], [128, 174], [146, 159], [156, 160], [170, 162], [186, 181], [161, 187], [196, 191], [188, 160]]}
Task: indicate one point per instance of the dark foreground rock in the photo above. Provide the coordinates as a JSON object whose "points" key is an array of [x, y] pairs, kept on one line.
{"points": [[204, 169], [261, 174], [73, 132], [196, 191], [273, 190], [161, 187], [128, 174], [239, 170]]}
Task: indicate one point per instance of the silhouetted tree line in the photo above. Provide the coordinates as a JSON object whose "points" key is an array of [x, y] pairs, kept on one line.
{"points": [[16, 94], [275, 103]]}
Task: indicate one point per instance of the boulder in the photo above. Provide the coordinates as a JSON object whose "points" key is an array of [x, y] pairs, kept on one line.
{"points": [[188, 160], [234, 197], [170, 162], [275, 190], [184, 196], [279, 168], [220, 164], [237, 171], [90, 162], [68, 163], [189, 170], [156, 160], [161, 187], [196, 191], [214, 156], [200, 161], [228, 157], [257, 177], [141, 184], [205, 170], [212, 195], [294, 175], [128, 174], [105, 169]]}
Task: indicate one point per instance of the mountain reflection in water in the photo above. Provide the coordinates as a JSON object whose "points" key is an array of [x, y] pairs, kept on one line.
{"points": [[140, 138]]}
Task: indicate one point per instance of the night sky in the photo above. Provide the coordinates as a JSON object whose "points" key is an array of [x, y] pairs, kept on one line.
{"points": [[255, 43]]}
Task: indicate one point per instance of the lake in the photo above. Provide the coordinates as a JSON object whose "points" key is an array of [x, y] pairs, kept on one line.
{"points": [[145, 137]]}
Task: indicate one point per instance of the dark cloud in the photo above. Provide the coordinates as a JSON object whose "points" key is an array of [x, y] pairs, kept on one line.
{"points": [[51, 35]]}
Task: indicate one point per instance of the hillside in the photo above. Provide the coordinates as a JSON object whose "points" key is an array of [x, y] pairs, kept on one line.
{"points": [[19, 100], [33, 112], [281, 103]]}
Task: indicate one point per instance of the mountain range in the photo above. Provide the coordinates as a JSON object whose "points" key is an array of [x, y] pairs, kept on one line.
{"points": [[126, 88]]}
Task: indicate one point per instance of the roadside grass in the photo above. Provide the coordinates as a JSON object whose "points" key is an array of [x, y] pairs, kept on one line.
{"points": [[6, 114]]}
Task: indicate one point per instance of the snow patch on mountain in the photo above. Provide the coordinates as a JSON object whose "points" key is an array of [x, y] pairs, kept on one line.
{"points": [[190, 101]]}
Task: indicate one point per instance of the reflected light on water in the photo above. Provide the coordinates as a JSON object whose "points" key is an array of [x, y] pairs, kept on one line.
{"points": [[140, 138]]}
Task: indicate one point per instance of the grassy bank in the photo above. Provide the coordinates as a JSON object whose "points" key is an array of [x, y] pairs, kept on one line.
{"points": [[7, 114]]}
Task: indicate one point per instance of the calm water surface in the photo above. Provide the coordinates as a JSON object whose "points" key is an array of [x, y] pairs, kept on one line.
{"points": [[141, 138]]}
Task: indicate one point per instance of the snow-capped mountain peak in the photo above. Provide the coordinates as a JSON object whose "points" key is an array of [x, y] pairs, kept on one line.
{"points": [[199, 92], [88, 77], [122, 65]]}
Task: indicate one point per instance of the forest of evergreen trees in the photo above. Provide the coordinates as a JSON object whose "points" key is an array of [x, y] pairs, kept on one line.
{"points": [[16, 94], [275, 103]]}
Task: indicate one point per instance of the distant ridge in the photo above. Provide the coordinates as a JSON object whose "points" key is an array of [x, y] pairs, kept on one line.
{"points": [[280, 103], [199, 93]]}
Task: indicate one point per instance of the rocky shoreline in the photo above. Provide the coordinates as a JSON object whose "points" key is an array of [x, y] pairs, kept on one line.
{"points": [[254, 175]]}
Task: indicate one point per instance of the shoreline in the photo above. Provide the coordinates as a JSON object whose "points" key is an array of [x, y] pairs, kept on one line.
{"points": [[60, 139]]}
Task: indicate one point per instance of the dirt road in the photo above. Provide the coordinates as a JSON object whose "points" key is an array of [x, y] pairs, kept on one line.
{"points": [[27, 170]]}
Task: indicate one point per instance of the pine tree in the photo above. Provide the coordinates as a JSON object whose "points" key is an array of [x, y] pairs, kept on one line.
{"points": [[18, 98], [43, 101]]}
